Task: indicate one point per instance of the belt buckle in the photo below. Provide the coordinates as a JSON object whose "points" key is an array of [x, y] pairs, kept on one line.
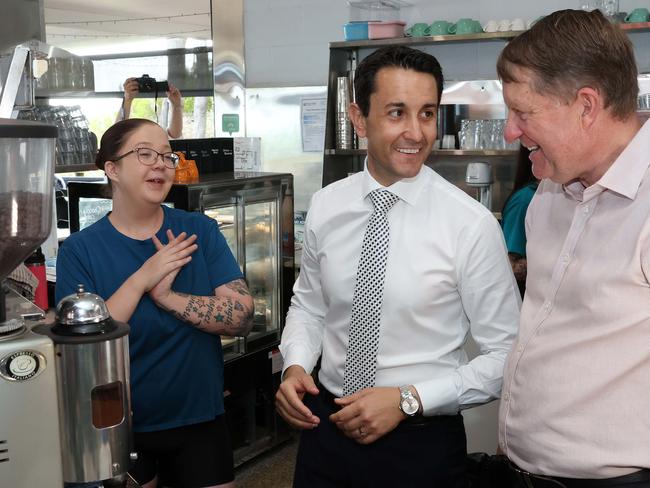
{"points": [[529, 478]]}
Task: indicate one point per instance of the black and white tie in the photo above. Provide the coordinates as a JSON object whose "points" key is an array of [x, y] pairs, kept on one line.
{"points": [[361, 360]]}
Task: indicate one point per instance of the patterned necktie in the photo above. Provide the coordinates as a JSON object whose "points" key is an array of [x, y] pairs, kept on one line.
{"points": [[361, 360]]}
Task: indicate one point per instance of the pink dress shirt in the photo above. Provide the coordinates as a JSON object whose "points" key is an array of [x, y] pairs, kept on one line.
{"points": [[576, 393]]}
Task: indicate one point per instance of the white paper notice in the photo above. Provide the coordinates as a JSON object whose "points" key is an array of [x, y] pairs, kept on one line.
{"points": [[312, 121], [247, 154]]}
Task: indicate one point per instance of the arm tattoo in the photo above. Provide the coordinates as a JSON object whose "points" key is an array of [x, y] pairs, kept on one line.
{"points": [[218, 314], [238, 286]]}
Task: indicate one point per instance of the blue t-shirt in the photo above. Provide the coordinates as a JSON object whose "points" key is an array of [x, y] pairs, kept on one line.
{"points": [[176, 369], [514, 216]]}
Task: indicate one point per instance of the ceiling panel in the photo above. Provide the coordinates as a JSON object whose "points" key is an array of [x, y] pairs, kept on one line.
{"points": [[75, 22]]}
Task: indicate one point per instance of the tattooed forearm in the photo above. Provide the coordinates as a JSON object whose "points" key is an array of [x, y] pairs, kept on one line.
{"points": [[238, 286], [224, 315]]}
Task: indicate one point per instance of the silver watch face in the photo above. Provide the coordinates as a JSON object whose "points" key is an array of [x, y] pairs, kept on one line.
{"points": [[410, 405]]}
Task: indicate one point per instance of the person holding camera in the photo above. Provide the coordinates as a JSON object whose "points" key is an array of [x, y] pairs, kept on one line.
{"points": [[132, 89]]}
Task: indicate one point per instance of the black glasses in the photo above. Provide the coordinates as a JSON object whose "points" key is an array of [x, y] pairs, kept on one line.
{"points": [[149, 156]]}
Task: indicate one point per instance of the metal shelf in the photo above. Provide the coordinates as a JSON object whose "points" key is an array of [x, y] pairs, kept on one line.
{"points": [[481, 36], [419, 41], [441, 152]]}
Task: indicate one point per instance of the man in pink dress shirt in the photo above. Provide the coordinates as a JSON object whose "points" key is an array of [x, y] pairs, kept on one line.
{"points": [[575, 409]]}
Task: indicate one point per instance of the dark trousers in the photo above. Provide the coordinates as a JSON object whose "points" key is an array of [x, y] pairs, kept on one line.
{"points": [[432, 453]]}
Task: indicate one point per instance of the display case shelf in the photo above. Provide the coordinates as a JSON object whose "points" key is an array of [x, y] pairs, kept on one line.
{"points": [[74, 168]]}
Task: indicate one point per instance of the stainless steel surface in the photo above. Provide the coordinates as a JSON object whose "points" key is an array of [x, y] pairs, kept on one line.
{"points": [[18, 310], [81, 308], [228, 64], [30, 452], [91, 453], [21, 21], [274, 115], [18, 64]]}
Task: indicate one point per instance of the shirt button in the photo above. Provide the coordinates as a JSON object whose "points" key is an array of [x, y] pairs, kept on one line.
{"points": [[547, 306], [506, 397], [586, 210], [565, 258], [520, 348]]}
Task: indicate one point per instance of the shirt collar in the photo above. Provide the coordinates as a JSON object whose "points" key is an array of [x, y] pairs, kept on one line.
{"points": [[625, 174], [406, 189]]}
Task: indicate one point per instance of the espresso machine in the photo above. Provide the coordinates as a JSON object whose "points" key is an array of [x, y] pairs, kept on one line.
{"points": [[479, 176], [64, 389]]}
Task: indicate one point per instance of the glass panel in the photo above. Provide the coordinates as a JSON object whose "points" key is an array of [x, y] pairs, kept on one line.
{"points": [[225, 216], [107, 405], [261, 264]]}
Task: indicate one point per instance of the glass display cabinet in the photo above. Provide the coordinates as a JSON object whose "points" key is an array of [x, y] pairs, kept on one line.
{"points": [[255, 215]]}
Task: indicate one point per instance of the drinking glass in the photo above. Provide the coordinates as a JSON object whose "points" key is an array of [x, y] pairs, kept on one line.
{"points": [[609, 7]]}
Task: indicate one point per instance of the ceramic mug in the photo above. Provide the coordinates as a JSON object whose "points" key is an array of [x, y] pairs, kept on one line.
{"points": [[638, 15], [491, 26], [439, 28], [504, 25], [418, 30], [518, 25], [465, 26]]}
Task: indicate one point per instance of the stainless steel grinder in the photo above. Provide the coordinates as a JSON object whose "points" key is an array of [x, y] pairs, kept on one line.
{"points": [[92, 366]]}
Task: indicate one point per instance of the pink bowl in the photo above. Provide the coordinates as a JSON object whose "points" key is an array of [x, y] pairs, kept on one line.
{"points": [[386, 29]]}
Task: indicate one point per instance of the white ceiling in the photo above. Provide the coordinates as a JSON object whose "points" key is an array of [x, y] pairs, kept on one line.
{"points": [[97, 22]]}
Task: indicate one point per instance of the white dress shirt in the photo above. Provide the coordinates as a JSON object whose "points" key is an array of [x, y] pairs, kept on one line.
{"points": [[576, 394], [447, 274]]}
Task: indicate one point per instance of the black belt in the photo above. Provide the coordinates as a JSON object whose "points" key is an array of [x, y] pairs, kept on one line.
{"points": [[329, 397], [529, 480]]}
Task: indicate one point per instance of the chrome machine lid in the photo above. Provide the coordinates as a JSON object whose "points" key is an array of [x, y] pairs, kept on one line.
{"points": [[81, 308], [82, 313]]}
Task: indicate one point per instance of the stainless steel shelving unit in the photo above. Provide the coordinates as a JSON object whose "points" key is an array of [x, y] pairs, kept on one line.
{"points": [[338, 163]]}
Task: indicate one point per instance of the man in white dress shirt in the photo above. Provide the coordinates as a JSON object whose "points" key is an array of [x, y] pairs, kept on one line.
{"points": [[446, 275], [575, 408]]}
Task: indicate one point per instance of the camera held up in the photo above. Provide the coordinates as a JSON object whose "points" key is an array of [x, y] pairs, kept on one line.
{"points": [[147, 84]]}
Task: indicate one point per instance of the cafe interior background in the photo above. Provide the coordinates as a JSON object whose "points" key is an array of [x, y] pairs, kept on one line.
{"points": [[269, 64]]}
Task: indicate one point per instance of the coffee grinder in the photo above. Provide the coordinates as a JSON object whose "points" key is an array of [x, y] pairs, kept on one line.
{"points": [[92, 367], [30, 451]]}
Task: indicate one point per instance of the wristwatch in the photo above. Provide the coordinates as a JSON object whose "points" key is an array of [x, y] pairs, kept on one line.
{"points": [[408, 403]]}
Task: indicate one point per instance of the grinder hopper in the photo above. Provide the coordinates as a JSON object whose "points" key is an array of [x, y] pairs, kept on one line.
{"points": [[27, 154]]}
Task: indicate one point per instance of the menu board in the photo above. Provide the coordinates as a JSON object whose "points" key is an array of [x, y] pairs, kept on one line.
{"points": [[93, 209]]}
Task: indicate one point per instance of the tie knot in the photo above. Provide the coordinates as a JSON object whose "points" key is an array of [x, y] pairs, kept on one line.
{"points": [[383, 200]]}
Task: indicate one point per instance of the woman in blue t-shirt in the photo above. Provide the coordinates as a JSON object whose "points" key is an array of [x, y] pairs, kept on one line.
{"points": [[513, 216], [171, 276]]}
